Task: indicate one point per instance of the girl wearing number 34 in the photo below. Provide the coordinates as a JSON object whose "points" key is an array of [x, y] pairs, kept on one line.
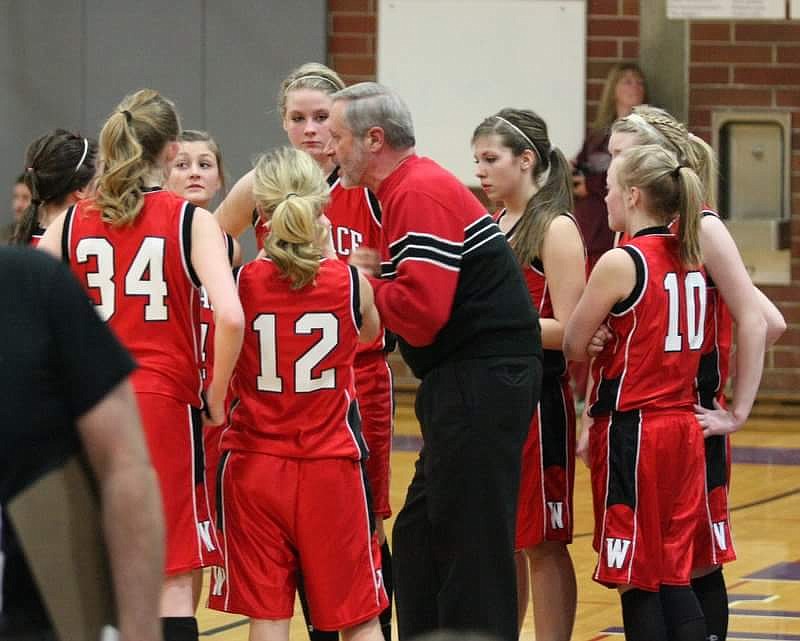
{"points": [[651, 294], [141, 253]]}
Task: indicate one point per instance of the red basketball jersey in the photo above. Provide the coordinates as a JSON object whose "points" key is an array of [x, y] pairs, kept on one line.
{"points": [[658, 332], [536, 281], [355, 216], [141, 280], [294, 378]]}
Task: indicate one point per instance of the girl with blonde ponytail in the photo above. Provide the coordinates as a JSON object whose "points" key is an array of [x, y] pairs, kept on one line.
{"points": [[296, 424], [291, 194], [304, 105], [517, 165], [142, 253], [651, 294], [758, 324]]}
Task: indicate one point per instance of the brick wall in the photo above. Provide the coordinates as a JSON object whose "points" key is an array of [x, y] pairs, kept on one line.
{"points": [[756, 64], [352, 38], [612, 31], [732, 64]]}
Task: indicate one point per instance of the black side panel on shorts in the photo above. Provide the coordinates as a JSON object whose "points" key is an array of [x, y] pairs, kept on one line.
{"points": [[716, 463], [218, 498], [65, 234], [606, 397], [623, 450], [368, 491], [553, 424], [197, 441]]}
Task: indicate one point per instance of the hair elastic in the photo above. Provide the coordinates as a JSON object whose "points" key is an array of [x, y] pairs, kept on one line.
{"points": [[522, 133], [323, 78], [676, 173], [289, 195], [128, 116]]}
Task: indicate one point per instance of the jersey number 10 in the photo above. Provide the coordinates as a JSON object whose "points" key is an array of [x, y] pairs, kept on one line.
{"points": [[694, 293]]}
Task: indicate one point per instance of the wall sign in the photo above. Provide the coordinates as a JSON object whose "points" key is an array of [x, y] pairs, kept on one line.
{"points": [[730, 9]]}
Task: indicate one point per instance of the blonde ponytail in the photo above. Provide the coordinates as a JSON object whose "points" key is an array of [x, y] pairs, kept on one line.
{"points": [[131, 142], [291, 190], [670, 189]]}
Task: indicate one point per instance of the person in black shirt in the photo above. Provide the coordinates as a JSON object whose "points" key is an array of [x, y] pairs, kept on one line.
{"points": [[454, 294], [65, 392]]}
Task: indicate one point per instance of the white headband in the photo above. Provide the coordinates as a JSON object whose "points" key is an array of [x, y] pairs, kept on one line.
{"points": [[85, 151], [323, 78], [528, 140]]}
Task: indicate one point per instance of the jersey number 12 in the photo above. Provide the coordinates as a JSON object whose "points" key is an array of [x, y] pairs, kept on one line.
{"points": [[304, 380]]}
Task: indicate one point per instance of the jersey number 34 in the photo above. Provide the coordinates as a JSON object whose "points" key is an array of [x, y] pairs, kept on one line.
{"points": [[145, 276]]}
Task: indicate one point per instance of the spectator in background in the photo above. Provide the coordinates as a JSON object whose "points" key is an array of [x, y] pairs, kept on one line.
{"points": [[20, 199], [624, 89]]}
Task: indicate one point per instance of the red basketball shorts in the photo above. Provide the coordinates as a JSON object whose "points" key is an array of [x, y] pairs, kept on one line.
{"points": [[648, 491], [374, 395], [544, 508], [283, 516], [174, 434]]}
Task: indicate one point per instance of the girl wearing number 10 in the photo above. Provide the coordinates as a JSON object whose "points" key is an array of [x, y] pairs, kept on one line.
{"points": [[651, 293]]}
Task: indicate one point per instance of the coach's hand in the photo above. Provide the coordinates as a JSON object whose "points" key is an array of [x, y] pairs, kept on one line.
{"points": [[366, 260], [717, 421]]}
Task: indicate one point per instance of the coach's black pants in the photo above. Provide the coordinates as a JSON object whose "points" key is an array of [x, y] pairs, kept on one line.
{"points": [[453, 540]]}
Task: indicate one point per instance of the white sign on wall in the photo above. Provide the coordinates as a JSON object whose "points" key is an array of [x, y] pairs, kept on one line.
{"points": [[728, 9], [455, 62], [794, 10]]}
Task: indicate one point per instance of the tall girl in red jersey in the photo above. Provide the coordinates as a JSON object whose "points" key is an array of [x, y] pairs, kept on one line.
{"points": [[294, 497], [517, 165], [59, 170], [304, 103], [731, 297], [651, 294], [197, 174], [142, 253]]}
